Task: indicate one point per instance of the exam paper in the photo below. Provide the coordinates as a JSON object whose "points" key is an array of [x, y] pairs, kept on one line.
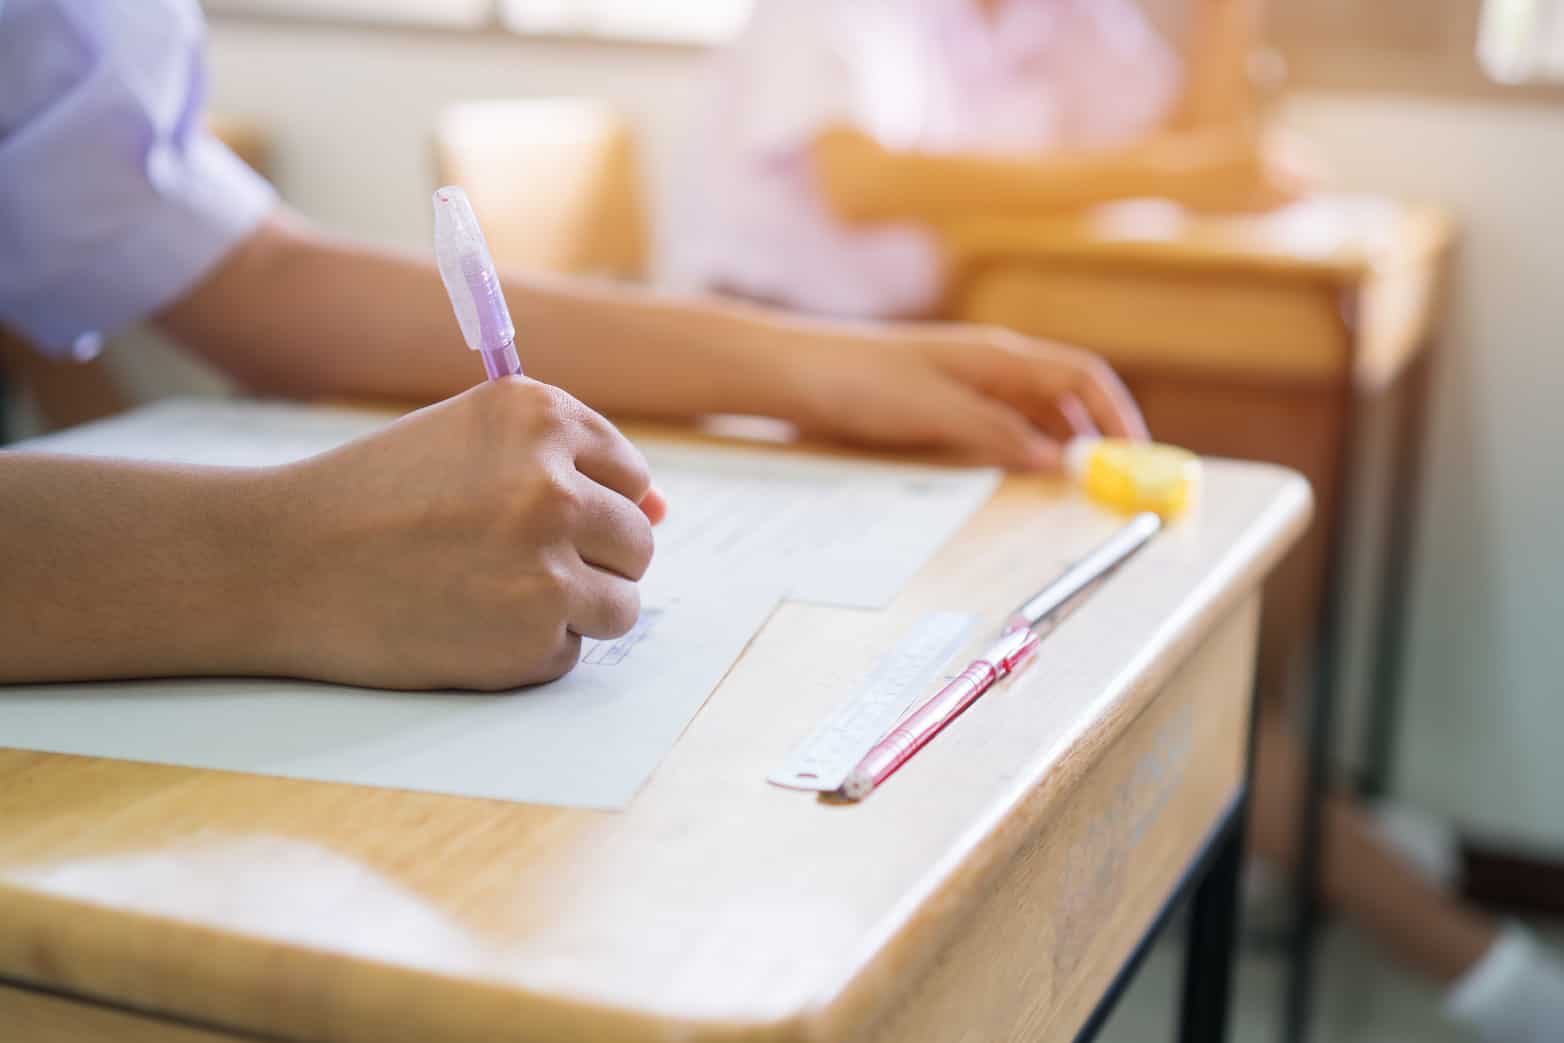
{"points": [[746, 527], [589, 739], [828, 531]]}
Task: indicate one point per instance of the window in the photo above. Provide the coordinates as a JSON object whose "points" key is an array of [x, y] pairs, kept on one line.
{"points": [[459, 14], [681, 21], [1523, 40], [1501, 48]]}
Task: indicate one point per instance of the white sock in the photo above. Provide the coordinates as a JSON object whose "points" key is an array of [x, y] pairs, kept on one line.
{"points": [[1426, 841], [1513, 994]]}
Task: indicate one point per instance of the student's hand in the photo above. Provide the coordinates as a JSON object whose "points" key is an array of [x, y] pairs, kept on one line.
{"points": [[1235, 170], [469, 545], [988, 394]]}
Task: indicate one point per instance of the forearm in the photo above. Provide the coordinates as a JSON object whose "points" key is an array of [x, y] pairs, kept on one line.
{"points": [[1218, 91], [864, 182], [117, 569], [295, 312]]}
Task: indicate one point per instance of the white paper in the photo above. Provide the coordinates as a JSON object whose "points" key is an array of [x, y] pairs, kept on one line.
{"points": [[829, 531], [745, 528], [590, 739]]}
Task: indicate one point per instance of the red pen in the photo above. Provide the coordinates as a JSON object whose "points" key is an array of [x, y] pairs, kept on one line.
{"points": [[1003, 658]]}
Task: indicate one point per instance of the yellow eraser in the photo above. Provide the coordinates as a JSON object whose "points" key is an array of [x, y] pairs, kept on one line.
{"points": [[1135, 476]]}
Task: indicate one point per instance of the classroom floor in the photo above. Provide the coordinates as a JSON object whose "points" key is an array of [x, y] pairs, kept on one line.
{"points": [[1362, 998]]}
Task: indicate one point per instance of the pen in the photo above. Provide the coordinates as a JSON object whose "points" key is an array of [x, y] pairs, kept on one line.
{"points": [[467, 270], [1050, 605], [1003, 658], [1045, 610]]}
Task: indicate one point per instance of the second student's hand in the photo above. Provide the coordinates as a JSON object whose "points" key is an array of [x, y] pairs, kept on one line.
{"points": [[986, 394], [471, 544]]}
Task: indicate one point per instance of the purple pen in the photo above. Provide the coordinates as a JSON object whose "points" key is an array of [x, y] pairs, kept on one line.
{"points": [[468, 272]]}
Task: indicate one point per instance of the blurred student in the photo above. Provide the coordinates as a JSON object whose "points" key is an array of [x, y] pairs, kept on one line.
{"points": [[471, 544], [844, 132]]}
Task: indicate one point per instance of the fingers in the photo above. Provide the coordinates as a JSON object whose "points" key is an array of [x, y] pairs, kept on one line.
{"points": [[608, 458], [995, 431], [549, 667], [602, 605], [1107, 401], [1068, 418], [545, 414], [1076, 383], [612, 533], [1076, 416]]}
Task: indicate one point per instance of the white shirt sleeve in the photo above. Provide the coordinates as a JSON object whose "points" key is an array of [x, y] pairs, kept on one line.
{"points": [[787, 76], [114, 200]]}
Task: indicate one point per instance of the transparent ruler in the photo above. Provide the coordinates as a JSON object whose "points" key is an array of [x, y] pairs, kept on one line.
{"points": [[903, 676]]}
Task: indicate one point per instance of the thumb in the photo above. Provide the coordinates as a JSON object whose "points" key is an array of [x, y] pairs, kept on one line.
{"points": [[996, 432]]}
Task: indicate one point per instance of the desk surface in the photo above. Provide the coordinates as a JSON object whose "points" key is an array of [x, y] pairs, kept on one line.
{"points": [[715, 907], [1333, 238], [1333, 285]]}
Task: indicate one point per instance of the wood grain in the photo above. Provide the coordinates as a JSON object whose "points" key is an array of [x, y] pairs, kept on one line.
{"points": [[27, 1016], [716, 907], [1261, 297], [1045, 936]]}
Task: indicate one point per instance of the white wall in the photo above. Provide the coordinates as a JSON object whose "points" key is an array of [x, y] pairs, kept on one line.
{"points": [[352, 115], [1486, 706]]}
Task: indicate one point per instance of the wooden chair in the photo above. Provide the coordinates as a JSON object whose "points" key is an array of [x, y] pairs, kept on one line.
{"points": [[554, 180]]}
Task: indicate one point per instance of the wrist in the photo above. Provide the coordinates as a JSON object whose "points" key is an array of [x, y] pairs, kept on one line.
{"points": [[757, 361], [259, 529]]}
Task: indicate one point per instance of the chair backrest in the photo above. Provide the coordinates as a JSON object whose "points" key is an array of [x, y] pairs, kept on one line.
{"points": [[555, 182], [249, 141]]}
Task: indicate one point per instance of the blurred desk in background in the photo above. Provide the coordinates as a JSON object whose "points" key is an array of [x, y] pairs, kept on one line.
{"points": [[1302, 337], [1257, 337]]}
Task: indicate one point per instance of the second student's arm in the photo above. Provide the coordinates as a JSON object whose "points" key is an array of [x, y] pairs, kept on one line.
{"points": [[293, 311], [1212, 168]]}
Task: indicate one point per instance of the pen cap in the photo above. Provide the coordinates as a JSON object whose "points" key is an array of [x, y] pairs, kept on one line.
{"points": [[462, 256]]}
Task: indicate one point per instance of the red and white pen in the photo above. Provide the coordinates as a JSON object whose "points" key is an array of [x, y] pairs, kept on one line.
{"points": [[1003, 658]]}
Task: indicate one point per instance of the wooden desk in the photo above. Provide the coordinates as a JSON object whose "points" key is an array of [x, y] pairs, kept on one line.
{"points": [[997, 886], [1257, 338], [1302, 338]]}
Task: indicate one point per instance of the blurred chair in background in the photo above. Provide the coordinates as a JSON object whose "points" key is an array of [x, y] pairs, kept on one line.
{"points": [[554, 180], [65, 392]]}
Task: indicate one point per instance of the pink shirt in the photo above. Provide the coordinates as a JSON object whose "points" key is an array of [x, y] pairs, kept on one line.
{"points": [[933, 75]]}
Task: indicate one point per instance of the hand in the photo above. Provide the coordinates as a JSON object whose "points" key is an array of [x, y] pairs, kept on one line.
{"points": [[988, 394], [1241, 171], [471, 544]]}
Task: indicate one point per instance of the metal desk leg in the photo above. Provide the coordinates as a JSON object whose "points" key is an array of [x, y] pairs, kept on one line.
{"points": [[1320, 741], [1383, 711], [1209, 956], [1211, 949]]}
